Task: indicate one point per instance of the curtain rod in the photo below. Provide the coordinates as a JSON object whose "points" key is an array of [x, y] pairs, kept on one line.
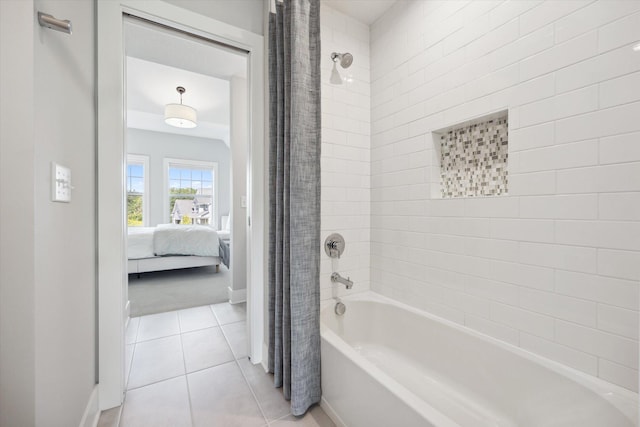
{"points": [[169, 28]]}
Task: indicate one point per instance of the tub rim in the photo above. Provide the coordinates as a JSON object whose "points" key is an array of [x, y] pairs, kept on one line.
{"points": [[624, 400]]}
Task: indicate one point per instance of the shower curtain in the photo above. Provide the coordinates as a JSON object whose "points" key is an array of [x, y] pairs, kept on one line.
{"points": [[294, 192]]}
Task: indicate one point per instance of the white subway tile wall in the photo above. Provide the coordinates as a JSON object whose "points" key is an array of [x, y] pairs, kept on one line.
{"points": [[554, 266], [346, 151]]}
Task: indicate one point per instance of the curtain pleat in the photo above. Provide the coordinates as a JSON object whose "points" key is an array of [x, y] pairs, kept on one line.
{"points": [[294, 211]]}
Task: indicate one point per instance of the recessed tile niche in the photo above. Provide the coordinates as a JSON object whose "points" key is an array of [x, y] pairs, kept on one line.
{"points": [[471, 158]]}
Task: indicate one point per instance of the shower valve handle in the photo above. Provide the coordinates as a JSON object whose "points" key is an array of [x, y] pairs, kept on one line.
{"points": [[333, 249], [334, 245]]}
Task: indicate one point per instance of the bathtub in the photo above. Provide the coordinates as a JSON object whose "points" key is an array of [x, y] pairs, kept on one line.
{"points": [[387, 364]]}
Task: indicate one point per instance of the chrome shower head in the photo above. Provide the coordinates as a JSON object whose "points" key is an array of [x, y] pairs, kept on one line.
{"points": [[346, 59], [335, 78]]}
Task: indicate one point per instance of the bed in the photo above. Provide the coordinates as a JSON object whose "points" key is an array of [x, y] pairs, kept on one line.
{"points": [[224, 237], [170, 247]]}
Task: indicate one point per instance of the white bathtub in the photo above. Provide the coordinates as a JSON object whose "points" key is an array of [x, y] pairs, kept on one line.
{"points": [[387, 364]]}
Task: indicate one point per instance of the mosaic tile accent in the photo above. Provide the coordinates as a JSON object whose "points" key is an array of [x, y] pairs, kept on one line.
{"points": [[473, 160]]}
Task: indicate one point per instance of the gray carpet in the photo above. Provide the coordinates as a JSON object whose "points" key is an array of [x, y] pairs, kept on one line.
{"points": [[162, 291]]}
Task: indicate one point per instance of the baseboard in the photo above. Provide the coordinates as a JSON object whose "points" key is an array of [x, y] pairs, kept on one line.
{"points": [[92, 411], [331, 413], [265, 356], [127, 316], [237, 296]]}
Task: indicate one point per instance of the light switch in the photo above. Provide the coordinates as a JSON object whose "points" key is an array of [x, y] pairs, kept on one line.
{"points": [[60, 183], [243, 201]]}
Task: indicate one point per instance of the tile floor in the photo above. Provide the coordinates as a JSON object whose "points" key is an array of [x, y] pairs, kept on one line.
{"points": [[190, 368]]}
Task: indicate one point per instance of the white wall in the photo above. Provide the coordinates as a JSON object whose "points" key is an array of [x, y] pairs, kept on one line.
{"points": [[158, 146], [245, 14], [345, 162], [239, 168], [65, 274], [48, 358], [17, 240], [553, 266]]}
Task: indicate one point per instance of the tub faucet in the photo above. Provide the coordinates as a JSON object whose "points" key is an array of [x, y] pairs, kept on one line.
{"points": [[336, 277]]}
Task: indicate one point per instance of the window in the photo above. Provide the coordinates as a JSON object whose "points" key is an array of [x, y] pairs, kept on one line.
{"points": [[137, 190], [191, 191]]}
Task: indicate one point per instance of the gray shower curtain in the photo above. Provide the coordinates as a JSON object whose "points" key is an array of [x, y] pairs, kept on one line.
{"points": [[294, 192]]}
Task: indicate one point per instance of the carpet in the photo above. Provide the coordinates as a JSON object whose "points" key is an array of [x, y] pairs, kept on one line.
{"points": [[162, 291]]}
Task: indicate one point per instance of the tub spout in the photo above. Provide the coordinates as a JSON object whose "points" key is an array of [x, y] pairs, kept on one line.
{"points": [[336, 277]]}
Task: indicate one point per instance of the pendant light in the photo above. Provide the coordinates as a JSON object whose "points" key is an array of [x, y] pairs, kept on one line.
{"points": [[180, 115]]}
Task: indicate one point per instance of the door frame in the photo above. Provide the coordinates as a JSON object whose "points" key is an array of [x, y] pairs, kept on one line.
{"points": [[113, 310]]}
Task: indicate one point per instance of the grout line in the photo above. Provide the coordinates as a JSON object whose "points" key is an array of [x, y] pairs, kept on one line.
{"points": [[200, 329], [233, 323], [284, 416], [253, 393], [158, 338], [213, 313], [154, 382], [126, 383], [235, 359], [133, 354], [180, 331], [135, 338], [120, 415], [186, 378], [209, 367], [228, 323]]}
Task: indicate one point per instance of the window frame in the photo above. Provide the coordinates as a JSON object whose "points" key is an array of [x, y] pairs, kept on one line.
{"points": [[139, 159], [188, 163]]}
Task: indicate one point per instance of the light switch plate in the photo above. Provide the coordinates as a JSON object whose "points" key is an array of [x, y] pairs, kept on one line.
{"points": [[243, 201], [60, 183]]}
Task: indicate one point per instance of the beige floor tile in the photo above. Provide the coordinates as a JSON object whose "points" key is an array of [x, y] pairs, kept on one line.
{"points": [[110, 417], [220, 396], [214, 392], [230, 313], [163, 404], [270, 398], [158, 326], [156, 360], [315, 417], [132, 330], [205, 348], [236, 334], [128, 358], [193, 319]]}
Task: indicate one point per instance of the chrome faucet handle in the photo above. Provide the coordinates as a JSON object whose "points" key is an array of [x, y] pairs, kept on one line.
{"points": [[333, 249]]}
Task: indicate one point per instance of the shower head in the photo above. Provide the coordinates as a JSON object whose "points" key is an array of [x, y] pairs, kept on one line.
{"points": [[335, 78], [346, 59]]}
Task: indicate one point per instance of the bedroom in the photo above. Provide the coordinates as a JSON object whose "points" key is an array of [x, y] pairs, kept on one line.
{"points": [[185, 186]]}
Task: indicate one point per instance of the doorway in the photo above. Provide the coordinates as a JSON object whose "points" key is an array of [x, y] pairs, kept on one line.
{"points": [[112, 152], [185, 177]]}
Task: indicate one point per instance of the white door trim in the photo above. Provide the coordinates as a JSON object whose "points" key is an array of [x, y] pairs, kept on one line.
{"points": [[112, 292]]}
